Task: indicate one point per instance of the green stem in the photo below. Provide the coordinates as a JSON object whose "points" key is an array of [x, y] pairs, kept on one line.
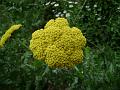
{"points": [[46, 70]]}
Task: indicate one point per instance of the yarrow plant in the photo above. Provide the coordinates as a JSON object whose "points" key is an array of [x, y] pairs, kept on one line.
{"points": [[58, 45], [8, 34]]}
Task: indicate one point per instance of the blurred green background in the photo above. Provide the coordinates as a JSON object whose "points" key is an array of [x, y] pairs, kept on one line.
{"points": [[99, 20]]}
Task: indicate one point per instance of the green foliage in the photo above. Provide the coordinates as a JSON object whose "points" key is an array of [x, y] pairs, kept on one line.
{"points": [[100, 69], [99, 21]]}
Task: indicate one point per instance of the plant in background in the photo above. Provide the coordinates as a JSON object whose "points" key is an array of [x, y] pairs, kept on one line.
{"points": [[58, 45]]}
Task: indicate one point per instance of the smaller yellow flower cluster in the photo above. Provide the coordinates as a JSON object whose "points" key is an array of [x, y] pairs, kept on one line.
{"points": [[8, 34], [57, 44]]}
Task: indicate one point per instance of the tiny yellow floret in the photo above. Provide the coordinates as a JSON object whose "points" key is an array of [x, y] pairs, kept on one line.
{"points": [[8, 34], [58, 45]]}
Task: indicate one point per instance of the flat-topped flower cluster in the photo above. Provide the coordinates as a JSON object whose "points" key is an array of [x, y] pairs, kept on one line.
{"points": [[58, 45]]}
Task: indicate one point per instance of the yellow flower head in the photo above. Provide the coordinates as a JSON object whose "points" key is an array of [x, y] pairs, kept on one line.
{"points": [[58, 45], [58, 22], [8, 34]]}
